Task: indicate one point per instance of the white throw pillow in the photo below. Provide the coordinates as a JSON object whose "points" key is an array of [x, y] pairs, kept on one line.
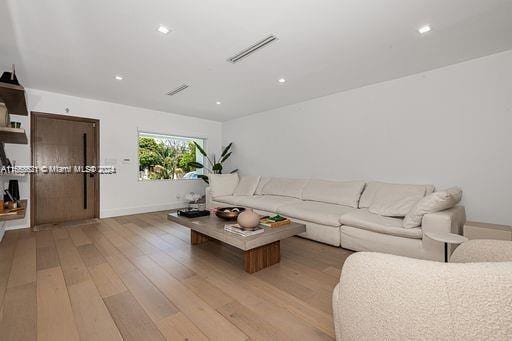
{"points": [[456, 193], [285, 187], [435, 202], [345, 193], [222, 184], [247, 185], [394, 200]]}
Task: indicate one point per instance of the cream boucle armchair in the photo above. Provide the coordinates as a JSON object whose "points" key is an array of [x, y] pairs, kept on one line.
{"points": [[386, 297]]}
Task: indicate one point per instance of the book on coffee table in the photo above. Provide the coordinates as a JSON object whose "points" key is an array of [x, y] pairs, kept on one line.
{"points": [[275, 221], [237, 229]]}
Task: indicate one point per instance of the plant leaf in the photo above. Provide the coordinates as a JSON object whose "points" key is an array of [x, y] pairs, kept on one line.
{"points": [[204, 177], [226, 150], [233, 171], [217, 168], [195, 164], [201, 150], [225, 157]]}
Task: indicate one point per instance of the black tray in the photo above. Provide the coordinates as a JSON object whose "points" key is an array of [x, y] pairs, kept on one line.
{"points": [[193, 213]]}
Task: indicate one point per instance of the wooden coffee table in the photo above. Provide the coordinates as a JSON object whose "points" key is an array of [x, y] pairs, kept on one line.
{"points": [[260, 251]]}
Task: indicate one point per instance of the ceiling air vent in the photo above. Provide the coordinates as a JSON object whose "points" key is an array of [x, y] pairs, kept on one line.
{"points": [[251, 49], [178, 89]]}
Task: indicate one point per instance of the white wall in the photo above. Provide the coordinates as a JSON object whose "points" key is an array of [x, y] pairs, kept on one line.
{"points": [[121, 193], [450, 126]]}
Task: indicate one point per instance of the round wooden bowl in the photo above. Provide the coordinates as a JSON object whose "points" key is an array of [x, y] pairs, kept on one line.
{"points": [[228, 215]]}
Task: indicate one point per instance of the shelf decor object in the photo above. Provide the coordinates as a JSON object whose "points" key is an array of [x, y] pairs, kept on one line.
{"points": [[14, 214], [12, 96]]}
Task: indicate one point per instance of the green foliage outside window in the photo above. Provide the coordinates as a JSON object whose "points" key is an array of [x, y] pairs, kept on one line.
{"points": [[166, 157]]}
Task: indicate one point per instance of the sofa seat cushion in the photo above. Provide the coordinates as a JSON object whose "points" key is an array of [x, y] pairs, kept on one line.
{"points": [[230, 199], [269, 203], [316, 212], [376, 223]]}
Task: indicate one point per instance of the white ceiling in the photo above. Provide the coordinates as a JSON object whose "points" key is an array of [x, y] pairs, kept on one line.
{"points": [[77, 47]]}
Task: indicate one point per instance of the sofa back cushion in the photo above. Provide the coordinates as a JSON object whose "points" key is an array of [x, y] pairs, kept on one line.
{"points": [[284, 187], [346, 193], [394, 200], [263, 181], [247, 185], [222, 184], [368, 193], [372, 187], [432, 203]]}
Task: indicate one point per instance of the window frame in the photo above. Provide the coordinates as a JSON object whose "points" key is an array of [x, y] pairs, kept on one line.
{"points": [[149, 132]]}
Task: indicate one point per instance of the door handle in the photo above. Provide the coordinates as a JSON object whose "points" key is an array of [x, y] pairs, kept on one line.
{"points": [[85, 174]]}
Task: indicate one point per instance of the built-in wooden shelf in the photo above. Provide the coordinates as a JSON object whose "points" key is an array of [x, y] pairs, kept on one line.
{"points": [[6, 215], [14, 98], [13, 135]]}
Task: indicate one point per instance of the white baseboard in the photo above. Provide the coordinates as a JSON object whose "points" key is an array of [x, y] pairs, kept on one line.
{"points": [[116, 212]]}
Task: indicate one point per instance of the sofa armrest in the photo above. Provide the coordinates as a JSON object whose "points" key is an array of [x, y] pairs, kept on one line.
{"points": [[483, 250], [208, 193], [447, 221]]}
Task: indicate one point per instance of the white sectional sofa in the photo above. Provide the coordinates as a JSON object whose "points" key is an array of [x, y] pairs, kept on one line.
{"points": [[343, 213]]}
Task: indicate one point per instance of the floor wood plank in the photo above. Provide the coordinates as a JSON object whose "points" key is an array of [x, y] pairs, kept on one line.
{"points": [[209, 293], [55, 319], [106, 280], [7, 248], [90, 255], [78, 236], [250, 323], [23, 270], [156, 305], [47, 257], [19, 313], [72, 265], [132, 321], [92, 317], [179, 327]]}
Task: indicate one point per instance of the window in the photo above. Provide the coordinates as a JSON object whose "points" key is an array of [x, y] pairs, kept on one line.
{"points": [[165, 157]]}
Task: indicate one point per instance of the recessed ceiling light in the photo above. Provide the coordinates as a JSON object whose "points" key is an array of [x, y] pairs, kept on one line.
{"points": [[281, 80], [163, 29], [119, 78], [218, 102], [425, 29]]}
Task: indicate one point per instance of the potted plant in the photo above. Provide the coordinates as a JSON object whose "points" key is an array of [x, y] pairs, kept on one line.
{"points": [[213, 166]]}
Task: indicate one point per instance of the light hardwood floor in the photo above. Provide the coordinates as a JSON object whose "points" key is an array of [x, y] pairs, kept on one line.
{"points": [[138, 278]]}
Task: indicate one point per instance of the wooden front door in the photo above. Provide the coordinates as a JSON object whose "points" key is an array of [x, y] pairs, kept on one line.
{"points": [[58, 195]]}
